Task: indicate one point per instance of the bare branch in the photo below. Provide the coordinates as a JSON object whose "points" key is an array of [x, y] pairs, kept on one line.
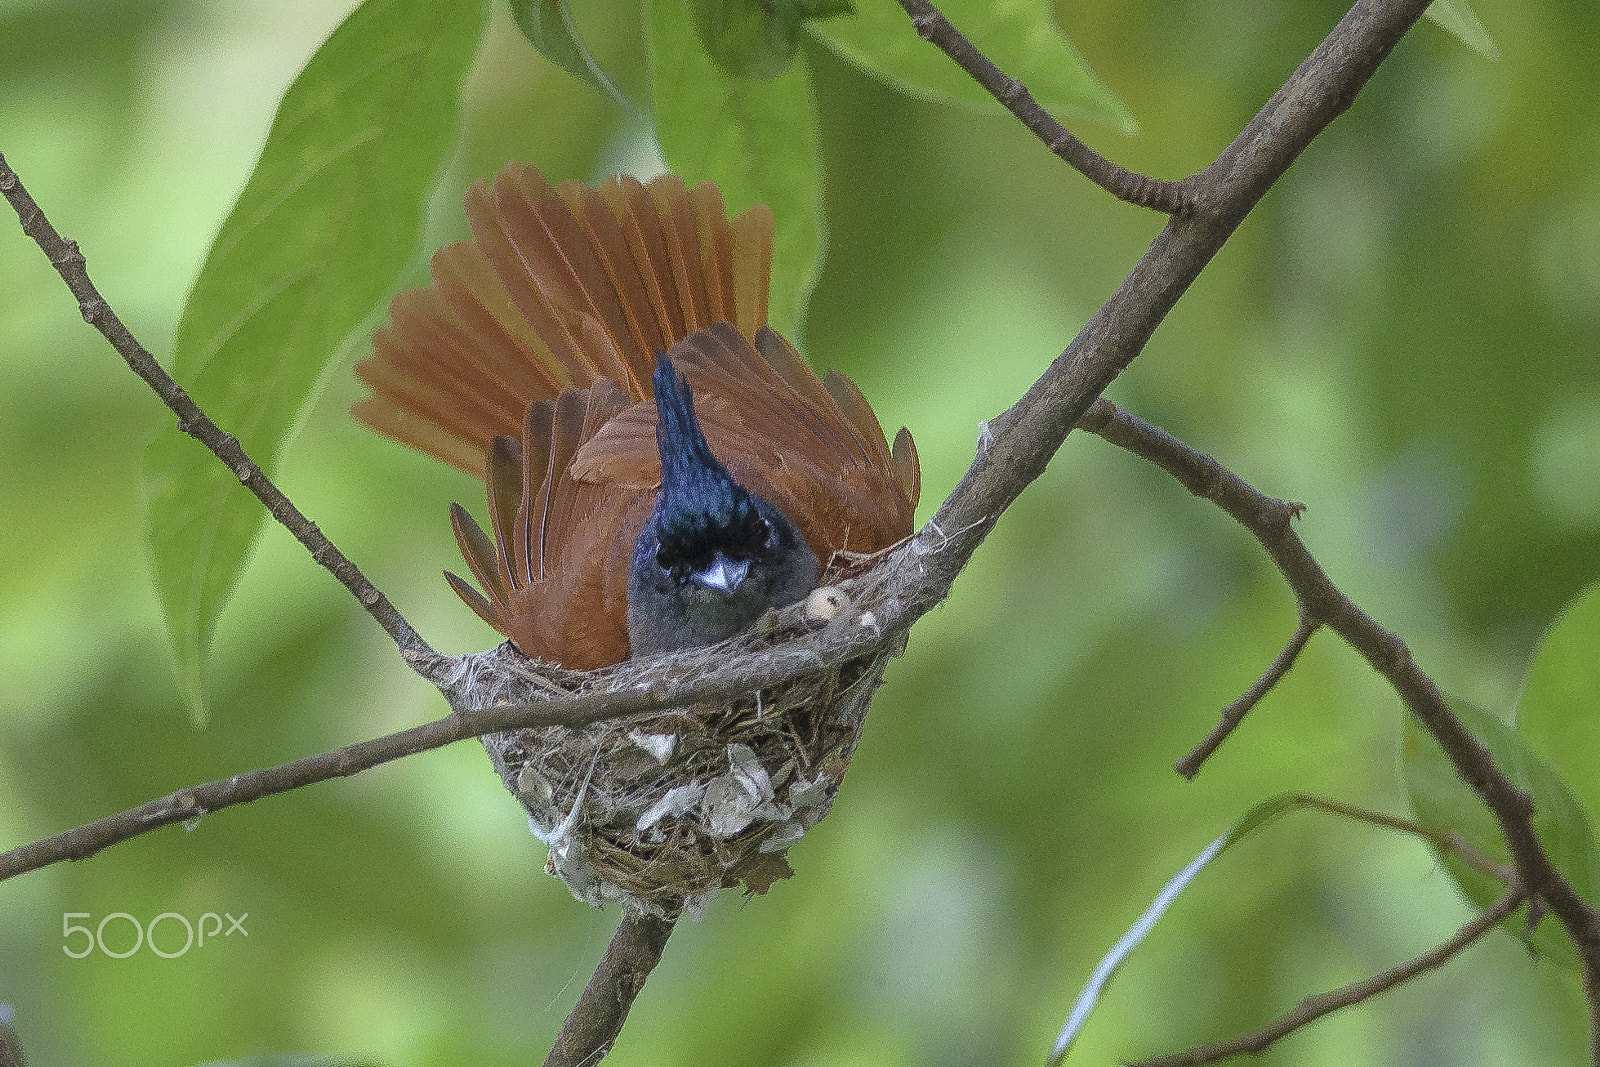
{"points": [[1171, 198], [597, 1018], [1315, 1007], [1321, 600], [1234, 713], [1020, 441], [69, 263], [195, 801]]}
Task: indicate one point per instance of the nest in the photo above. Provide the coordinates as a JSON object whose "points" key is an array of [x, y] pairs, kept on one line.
{"points": [[660, 812]]}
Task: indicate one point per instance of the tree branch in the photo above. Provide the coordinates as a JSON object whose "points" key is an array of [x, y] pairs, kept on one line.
{"points": [[1323, 602], [1234, 713], [1170, 198], [1315, 1007], [499, 690], [597, 1018], [1019, 442], [69, 263]]}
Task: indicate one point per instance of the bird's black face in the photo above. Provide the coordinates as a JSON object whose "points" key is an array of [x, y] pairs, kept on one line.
{"points": [[714, 554], [713, 557]]}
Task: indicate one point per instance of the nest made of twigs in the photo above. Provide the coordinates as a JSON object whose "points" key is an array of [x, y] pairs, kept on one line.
{"points": [[660, 812]]}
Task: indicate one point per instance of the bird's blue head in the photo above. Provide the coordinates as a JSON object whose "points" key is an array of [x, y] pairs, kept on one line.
{"points": [[713, 557], [708, 525]]}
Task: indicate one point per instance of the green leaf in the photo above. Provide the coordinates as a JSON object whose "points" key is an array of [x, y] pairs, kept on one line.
{"points": [[1444, 802], [1458, 20], [756, 140], [1559, 715], [756, 38], [548, 26], [1020, 36], [329, 217]]}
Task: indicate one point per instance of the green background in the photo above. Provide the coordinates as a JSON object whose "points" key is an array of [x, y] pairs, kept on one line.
{"points": [[1403, 336]]}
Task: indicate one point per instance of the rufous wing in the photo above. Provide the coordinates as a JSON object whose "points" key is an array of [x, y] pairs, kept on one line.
{"points": [[567, 501], [555, 574]]}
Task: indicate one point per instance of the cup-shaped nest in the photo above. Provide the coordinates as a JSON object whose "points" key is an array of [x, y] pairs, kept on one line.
{"points": [[660, 812]]}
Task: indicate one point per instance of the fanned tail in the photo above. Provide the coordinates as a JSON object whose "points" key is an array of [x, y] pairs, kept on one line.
{"points": [[559, 287]]}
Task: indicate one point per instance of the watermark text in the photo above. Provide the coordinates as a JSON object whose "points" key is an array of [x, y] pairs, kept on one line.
{"points": [[169, 935]]}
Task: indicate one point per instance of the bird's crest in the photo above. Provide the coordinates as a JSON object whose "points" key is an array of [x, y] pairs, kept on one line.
{"points": [[702, 508]]}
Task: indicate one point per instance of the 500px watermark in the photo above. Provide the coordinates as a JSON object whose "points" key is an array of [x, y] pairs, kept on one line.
{"points": [[194, 934]]}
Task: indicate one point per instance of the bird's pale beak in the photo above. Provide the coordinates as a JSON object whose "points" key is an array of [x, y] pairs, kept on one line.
{"points": [[722, 573]]}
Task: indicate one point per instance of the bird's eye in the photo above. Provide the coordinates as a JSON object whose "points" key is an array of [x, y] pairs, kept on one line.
{"points": [[672, 563], [761, 534]]}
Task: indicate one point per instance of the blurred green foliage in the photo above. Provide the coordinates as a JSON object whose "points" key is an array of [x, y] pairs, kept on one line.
{"points": [[549, 27], [756, 38], [1404, 336]]}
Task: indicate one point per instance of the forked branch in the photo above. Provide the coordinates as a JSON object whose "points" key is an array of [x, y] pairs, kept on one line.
{"points": [[1322, 601]]}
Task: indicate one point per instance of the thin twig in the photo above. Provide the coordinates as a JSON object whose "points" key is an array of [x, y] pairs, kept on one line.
{"points": [[597, 1018], [195, 801], [1315, 1007], [1234, 713], [1451, 843], [1171, 198], [69, 263], [1270, 521]]}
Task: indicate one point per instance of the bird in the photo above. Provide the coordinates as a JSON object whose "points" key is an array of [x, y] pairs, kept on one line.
{"points": [[661, 466], [713, 556]]}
